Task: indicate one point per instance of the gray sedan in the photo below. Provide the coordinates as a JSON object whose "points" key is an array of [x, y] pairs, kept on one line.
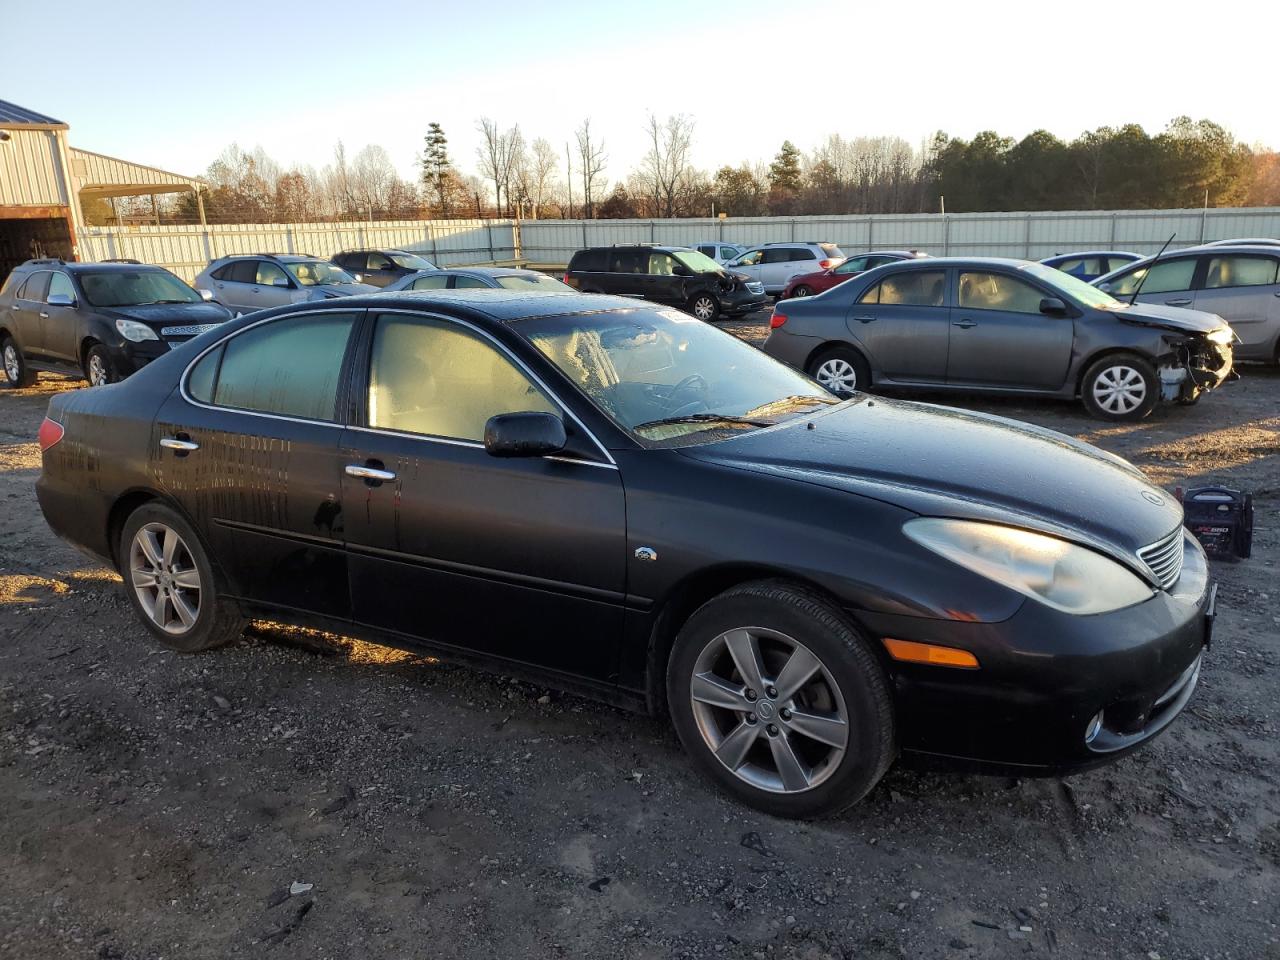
{"points": [[464, 278], [1001, 326]]}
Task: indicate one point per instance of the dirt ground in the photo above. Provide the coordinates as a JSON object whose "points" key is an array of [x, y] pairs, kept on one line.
{"points": [[301, 796]]}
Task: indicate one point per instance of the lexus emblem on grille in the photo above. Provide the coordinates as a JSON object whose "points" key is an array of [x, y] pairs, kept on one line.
{"points": [[1153, 498]]}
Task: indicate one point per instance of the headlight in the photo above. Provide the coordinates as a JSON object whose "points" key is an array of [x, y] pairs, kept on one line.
{"points": [[1062, 575], [1222, 335], [135, 331]]}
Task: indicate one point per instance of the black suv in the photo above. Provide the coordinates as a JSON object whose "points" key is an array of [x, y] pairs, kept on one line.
{"points": [[676, 275], [102, 320], [381, 267]]}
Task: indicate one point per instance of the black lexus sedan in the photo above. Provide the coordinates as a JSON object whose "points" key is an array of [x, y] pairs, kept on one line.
{"points": [[618, 499]]}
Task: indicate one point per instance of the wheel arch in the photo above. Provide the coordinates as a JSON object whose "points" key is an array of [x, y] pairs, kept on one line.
{"points": [[130, 500], [685, 598]]}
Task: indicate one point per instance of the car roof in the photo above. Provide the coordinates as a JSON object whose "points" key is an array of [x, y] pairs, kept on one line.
{"points": [[1094, 253], [282, 257], [80, 267], [934, 263], [486, 271], [412, 253], [500, 305], [1269, 248]]}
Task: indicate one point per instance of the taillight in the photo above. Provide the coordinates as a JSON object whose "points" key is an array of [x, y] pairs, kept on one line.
{"points": [[825, 264], [777, 320], [50, 433]]}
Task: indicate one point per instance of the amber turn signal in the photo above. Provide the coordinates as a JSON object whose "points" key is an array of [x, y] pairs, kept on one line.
{"points": [[912, 652]]}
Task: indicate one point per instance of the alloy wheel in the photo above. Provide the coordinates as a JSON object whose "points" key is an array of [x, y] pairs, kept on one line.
{"points": [[97, 371], [704, 308], [12, 363], [1119, 389], [801, 291], [837, 375], [769, 710], [164, 577]]}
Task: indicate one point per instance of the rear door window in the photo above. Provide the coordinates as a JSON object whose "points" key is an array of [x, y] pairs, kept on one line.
{"points": [[589, 261], [628, 261], [915, 288], [289, 367], [242, 271], [1082, 267], [778, 255], [856, 265], [432, 282], [468, 283], [378, 262], [36, 288], [1239, 272]]}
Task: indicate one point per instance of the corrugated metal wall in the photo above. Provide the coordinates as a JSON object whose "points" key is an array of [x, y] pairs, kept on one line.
{"points": [[186, 250], [29, 167]]}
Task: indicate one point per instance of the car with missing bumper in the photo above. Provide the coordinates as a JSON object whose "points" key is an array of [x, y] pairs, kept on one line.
{"points": [[102, 321], [987, 325], [618, 499]]}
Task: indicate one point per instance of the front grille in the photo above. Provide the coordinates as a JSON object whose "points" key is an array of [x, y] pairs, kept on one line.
{"points": [[1164, 558], [193, 330]]}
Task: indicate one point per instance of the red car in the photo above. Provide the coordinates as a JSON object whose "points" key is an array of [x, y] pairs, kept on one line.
{"points": [[807, 284]]}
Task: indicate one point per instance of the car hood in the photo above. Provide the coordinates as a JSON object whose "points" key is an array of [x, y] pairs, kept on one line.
{"points": [[940, 461], [1170, 318], [163, 314], [345, 289], [811, 277]]}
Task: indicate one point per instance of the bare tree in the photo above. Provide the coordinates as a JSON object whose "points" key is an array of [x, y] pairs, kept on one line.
{"points": [[372, 177], [541, 170], [591, 160], [665, 170], [500, 156]]}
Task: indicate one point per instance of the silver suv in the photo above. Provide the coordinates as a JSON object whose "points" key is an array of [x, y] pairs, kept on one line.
{"points": [[774, 264], [249, 282]]}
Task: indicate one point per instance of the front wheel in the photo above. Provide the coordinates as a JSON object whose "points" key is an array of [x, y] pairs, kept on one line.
{"points": [[99, 368], [16, 372], [780, 700], [1122, 387], [704, 306]]}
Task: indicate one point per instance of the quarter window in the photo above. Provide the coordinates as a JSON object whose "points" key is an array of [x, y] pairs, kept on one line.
{"points": [[433, 378], [289, 367], [997, 291], [1239, 272], [1167, 276], [916, 288]]}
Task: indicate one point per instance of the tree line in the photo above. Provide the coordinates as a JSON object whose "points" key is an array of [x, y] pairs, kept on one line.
{"points": [[1185, 165]]}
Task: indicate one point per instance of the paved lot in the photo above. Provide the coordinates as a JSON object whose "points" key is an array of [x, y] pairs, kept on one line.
{"points": [[155, 805]]}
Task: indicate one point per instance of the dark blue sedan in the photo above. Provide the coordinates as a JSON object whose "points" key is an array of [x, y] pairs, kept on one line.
{"points": [[1091, 264]]}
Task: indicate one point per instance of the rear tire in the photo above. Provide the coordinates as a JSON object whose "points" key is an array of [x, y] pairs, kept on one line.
{"points": [[170, 582], [801, 291], [16, 372], [1122, 388], [99, 368], [805, 727], [842, 370]]}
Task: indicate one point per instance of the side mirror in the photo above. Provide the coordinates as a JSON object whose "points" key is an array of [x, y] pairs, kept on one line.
{"points": [[1105, 287], [524, 435], [358, 277], [204, 294], [1052, 305], [61, 300]]}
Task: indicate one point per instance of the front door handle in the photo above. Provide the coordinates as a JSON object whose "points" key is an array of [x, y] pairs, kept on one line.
{"points": [[178, 444], [43, 315], [864, 319], [965, 324], [369, 473], [1179, 301]]}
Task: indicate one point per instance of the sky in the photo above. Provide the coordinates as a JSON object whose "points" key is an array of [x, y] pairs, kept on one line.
{"points": [[170, 84]]}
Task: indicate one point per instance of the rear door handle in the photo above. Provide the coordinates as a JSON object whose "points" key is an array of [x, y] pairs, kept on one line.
{"points": [[176, 443], [864, 319], [1178, 301], [965, 324], [43, 315], [372, 474]]}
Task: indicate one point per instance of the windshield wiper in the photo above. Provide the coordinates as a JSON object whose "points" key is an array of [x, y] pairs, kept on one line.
{"points": [[705, 418], [784, 404], [149, 302]]}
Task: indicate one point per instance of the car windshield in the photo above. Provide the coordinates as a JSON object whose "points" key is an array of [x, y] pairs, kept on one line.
{"points": [[533, 281], [411, 262], [671, 380], [133, 288], [317, 273], [1073, 287], [697, 262]]}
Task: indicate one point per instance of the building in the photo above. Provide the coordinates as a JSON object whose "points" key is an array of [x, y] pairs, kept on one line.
{"points": [[44, 182]]}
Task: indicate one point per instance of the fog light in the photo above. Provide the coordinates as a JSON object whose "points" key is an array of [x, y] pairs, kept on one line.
{"points": [[1095, 725]]}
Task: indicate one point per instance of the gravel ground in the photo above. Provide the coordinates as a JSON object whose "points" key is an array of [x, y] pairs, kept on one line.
{"points": [[301, 795]]}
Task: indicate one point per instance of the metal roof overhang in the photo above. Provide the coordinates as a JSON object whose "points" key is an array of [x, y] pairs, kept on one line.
{"points": [[103, 176]]}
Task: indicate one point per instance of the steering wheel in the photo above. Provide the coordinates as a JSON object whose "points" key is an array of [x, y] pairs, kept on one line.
{"points": [[694, 379]]}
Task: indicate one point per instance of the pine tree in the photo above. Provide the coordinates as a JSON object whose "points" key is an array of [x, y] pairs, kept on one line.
{"points": [[784, 172], [436, 169]]}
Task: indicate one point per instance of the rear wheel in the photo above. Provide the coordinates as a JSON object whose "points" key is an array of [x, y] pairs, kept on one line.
{"points": [[704, 306], [16, 371], [780, 700], [802, 291], [99, 369], [842, 370], [1122, 387], [170, 582]]}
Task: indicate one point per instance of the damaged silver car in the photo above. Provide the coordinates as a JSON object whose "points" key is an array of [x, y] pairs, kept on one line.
{"points": [[986, 325]]}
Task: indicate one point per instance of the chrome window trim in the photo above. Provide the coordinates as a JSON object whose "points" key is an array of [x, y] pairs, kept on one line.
{"points": [[520, 364]]}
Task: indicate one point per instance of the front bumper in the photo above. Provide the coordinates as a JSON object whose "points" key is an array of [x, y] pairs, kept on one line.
{"points": [[1200, 366], [743, 300], [1044, 675]]}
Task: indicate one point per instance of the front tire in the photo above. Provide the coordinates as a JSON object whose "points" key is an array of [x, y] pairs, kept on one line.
{"points": [[170, 582], [780, 701], [842, 370], [16, 372], [704, 306], [99, 368], [1122, 388]]}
